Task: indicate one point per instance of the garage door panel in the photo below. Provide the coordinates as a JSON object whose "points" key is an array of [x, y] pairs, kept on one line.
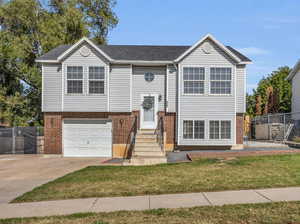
{"points": [[87, 138]]}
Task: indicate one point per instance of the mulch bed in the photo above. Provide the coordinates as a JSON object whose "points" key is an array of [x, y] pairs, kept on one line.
{"points": [[229, 154]]}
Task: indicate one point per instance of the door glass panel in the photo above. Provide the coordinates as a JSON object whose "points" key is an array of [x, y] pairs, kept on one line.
{"points": [[149, 111]]}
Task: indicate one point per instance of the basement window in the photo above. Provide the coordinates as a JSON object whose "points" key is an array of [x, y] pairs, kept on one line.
{"points": [[193, 129], [220, 129]]}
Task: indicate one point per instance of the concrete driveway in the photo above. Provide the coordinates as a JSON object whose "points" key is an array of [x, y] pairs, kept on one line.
{"points": [[22, 173]]}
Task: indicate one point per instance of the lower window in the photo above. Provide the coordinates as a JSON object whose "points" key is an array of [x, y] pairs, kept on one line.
{"points": [[220, 129], [193, 129]]}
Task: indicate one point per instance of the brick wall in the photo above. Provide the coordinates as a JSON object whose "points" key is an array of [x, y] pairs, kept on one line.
{"points": [[169, 122], [239, 128], [121, 123]]}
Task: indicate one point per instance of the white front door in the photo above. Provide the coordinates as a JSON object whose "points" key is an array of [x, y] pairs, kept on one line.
{"points": [[149, 108]]}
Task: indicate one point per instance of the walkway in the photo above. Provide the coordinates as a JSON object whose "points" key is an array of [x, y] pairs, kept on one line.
{"points": [[64, 207]]}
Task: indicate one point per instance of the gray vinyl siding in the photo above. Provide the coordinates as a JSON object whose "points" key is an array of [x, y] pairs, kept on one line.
{"points": [[51, 88], [241, 89], [120, 88], [85, 102], [172, 88], [296, 93], [207, 107], [140, 86]]}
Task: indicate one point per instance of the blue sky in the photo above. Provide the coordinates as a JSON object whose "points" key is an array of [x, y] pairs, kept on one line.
{"points": [[267, 31]]}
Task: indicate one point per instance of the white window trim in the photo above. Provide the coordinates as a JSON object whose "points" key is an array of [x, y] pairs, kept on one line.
{"points": [[66, 81], [233, 76], [88, 81], [197, 139], [204, 80], [220, 139]]}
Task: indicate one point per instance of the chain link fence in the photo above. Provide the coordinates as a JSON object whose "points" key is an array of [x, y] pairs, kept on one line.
{"points": [[19, 140], [276, 127]]}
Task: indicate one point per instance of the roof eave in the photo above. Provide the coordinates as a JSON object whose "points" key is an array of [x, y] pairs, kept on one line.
{"points": [[294, 71], [208, 36], [141, 62], [46, 61]]}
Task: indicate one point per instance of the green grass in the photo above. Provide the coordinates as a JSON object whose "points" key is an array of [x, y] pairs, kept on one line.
{"points": [[275, 213], [202, 175]]}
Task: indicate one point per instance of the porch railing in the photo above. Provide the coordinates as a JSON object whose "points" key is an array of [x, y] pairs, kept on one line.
{"points": [[159, 131], [132, 137]]}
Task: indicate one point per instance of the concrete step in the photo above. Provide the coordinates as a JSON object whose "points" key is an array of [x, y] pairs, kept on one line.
{"points": [[146, 132], [145, 140], [141, 161], [148, 153], [142, 136], [147, 148], [146, 144]]}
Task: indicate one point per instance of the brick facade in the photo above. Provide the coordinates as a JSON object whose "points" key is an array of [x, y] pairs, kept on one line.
{"points": [[121, 123], [239, 129]]}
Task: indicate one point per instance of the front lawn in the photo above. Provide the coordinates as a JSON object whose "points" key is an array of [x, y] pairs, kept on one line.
{"points": [[281, 213], [201, 175]]}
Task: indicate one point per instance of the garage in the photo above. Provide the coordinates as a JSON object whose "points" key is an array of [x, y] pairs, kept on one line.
{"points": [[87, 138]]}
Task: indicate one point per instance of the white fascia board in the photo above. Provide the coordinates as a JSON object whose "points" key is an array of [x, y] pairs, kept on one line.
{"points": [[208, 36], [47, 61], [140, 62], [245, 63], [294, 71], [84, 39]]}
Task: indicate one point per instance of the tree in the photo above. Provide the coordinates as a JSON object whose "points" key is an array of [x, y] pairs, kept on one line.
{"points": [[29, 29], [273, 94]]}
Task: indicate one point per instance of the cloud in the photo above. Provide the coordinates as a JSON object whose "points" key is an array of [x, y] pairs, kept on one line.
{"points": [[253, 51]]}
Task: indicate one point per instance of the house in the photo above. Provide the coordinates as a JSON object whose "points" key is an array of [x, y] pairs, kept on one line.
{"points": [[95, 97], [294, 77]]}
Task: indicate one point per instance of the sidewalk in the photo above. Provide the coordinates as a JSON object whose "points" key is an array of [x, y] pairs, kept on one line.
{"points": [[65, 207]]}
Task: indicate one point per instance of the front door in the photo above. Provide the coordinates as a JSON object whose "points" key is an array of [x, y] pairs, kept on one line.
{"points": [[149, 111]]}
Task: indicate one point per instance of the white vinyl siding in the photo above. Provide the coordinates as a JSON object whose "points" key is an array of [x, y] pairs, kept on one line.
{"points": [[141, 87], [193, 80], [85, 102], [241, 89], [52, 87], [220, 80], [172, 88], [296, 94], [206, 106], [119, 96]]}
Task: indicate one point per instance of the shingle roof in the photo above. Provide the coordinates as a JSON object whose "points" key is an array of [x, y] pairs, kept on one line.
{"points": [[137, 52]]}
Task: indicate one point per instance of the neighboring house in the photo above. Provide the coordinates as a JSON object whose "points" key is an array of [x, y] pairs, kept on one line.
{"points": [[92, 94], [294, 77]]}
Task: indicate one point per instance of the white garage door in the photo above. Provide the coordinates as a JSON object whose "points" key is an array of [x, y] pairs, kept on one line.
{"points": [[87, 138]]}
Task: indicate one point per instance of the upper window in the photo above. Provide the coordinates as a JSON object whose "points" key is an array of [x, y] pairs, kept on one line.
{"points": [[220, 80], [219, 129], [96, 80], [75, 79], [193, 129], [193, 80]]}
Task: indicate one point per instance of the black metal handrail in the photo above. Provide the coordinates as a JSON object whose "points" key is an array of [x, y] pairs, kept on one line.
{"points": [[131, 140], [159, 131]]}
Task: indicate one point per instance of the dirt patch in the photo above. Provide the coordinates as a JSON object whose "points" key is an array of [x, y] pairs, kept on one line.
{"points": [[229, 154]]}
